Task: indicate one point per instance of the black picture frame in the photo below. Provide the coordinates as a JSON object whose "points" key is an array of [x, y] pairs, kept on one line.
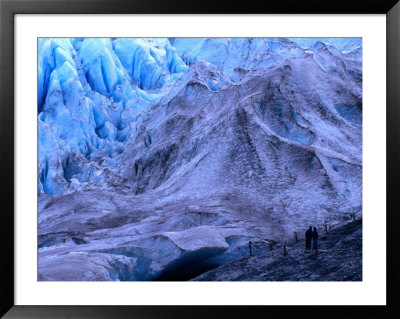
{"points": [[9, 8]]}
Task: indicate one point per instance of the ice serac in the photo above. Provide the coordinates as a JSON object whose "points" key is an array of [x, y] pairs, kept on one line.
{"points": [[256, 139], [236, 55], [91, 94], [149, 62]]}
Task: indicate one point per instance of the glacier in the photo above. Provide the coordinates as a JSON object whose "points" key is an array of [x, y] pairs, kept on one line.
{"points": [[161, 158]]}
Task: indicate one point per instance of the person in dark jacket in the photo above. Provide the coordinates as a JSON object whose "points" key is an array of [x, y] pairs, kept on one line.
{"points": [[309, 236], [315, 239]]}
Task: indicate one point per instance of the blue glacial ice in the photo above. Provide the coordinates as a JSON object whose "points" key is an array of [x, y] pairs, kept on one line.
{"points": [[91, 91], [168, 156]]}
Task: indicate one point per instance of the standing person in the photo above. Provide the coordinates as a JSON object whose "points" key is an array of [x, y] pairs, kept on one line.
{"points": [[309, 236], [315, 239]]}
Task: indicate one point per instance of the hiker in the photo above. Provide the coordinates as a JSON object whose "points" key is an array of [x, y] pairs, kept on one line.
{"points": [[309, 236], [315, 239], [250, 248]]}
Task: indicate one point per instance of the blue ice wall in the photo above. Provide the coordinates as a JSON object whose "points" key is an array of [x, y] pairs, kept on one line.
{"points": [[87, 88]]}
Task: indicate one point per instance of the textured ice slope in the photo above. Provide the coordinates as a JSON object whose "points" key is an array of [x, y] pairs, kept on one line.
{"points": [[254, 140]]}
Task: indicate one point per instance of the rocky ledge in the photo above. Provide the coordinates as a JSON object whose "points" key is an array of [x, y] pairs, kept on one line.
{"points": [[339, 258]]}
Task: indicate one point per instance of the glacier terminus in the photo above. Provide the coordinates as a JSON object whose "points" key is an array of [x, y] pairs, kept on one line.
{"points": [[162, 158]]}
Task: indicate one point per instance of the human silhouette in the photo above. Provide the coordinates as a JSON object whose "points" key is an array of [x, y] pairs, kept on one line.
{"points": [[315, 239], [309, 236]]}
